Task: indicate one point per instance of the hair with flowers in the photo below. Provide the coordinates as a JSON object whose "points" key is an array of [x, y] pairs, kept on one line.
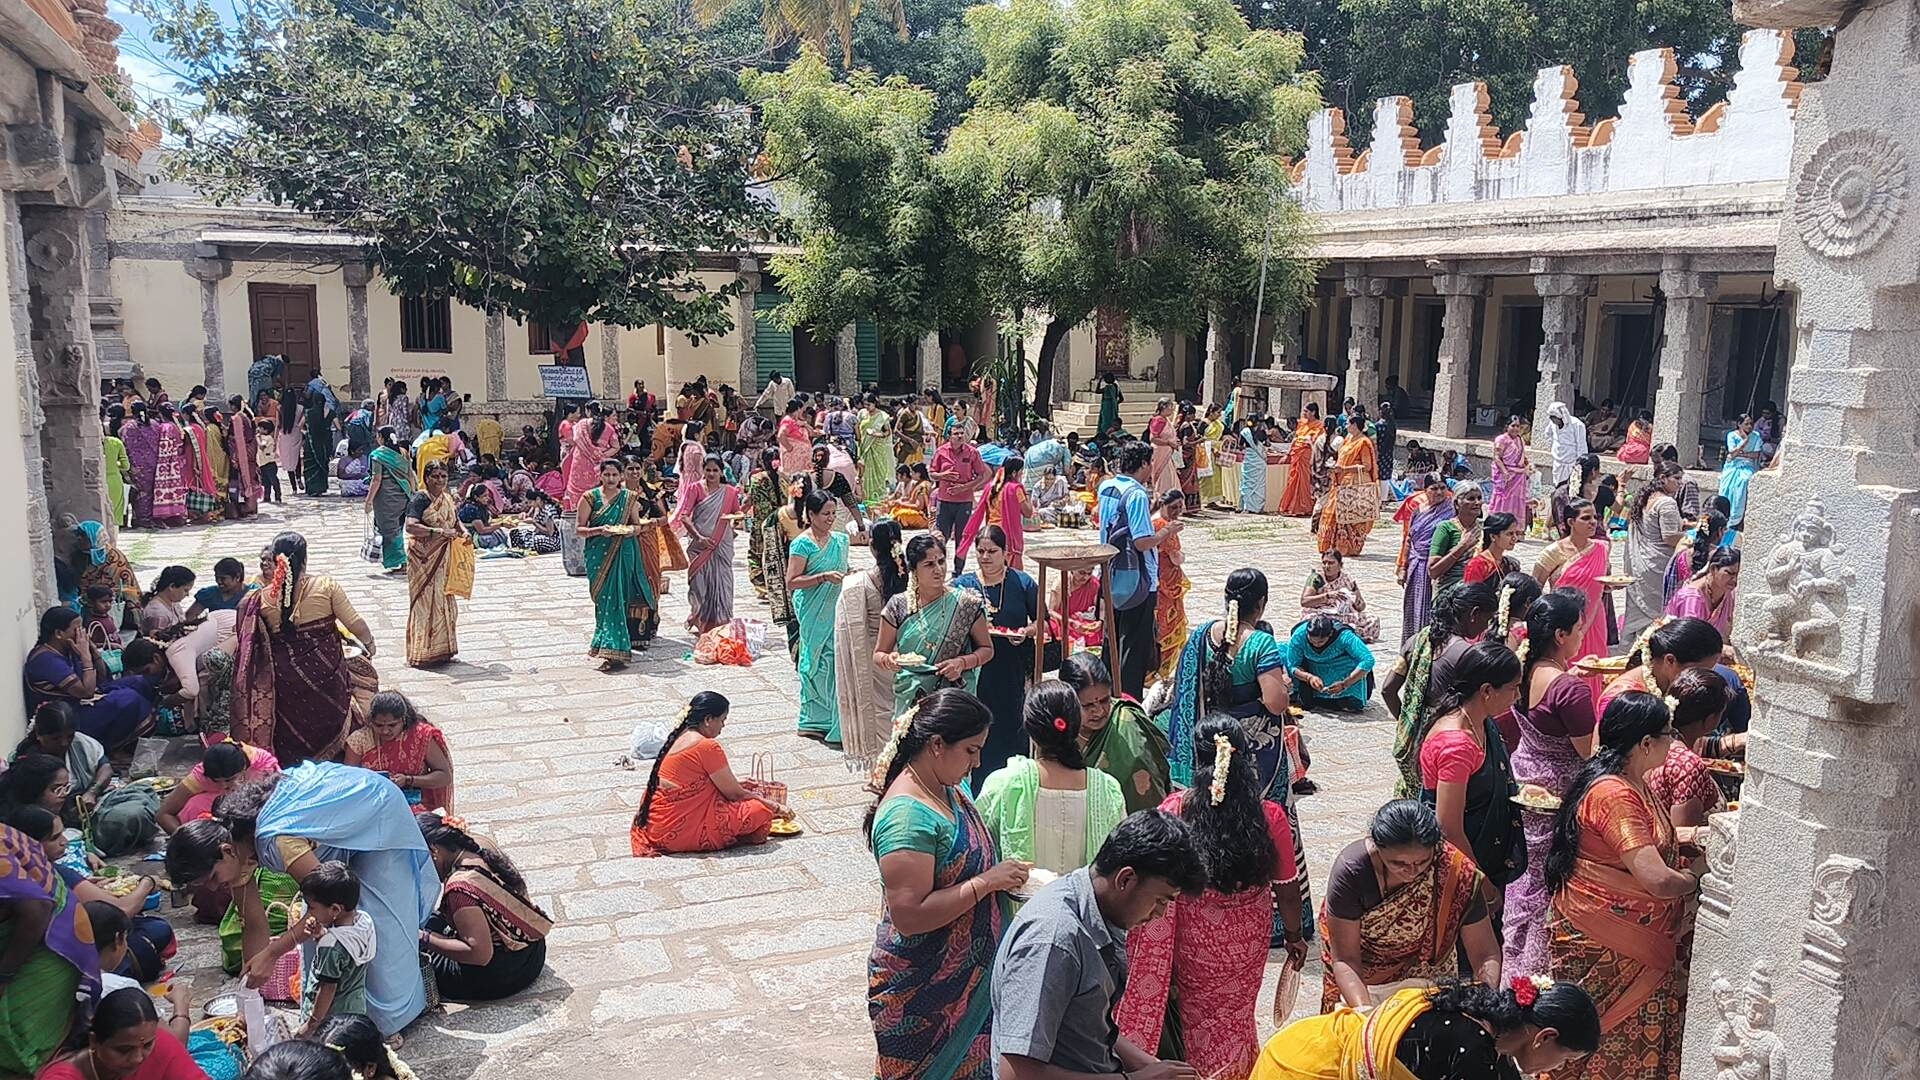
{"points": [[1222, 766]]}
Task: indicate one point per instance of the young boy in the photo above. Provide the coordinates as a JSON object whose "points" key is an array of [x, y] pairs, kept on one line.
{"points": [[110, 927], [334, 981], [267, 456], [102, 629], [228, 589]]}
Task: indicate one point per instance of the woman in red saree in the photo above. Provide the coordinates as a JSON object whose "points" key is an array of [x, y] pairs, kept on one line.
{"points": [[1170, 627], [1621, 894], [244, 490], [1353, 505], [794, 434], [1297, 499], [693, 802], [1579, 561], [291, 689], [410, 751], [170, 470]]}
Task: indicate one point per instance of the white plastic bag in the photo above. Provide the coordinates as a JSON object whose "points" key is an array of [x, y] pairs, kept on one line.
{"points": [[647, 740], [146, 758]]}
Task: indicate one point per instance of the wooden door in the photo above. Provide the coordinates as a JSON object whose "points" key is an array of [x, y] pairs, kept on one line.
{"points": [[285, 323]]}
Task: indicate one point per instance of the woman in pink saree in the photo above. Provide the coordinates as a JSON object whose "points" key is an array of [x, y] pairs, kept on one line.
{"points": [[705, 514], [594, 441], [244, 479], [1162, 433], [1579, 562], [170, 471], [1004, 503], [204, 505], [691, 465], [795, 437], [1510, 473]]}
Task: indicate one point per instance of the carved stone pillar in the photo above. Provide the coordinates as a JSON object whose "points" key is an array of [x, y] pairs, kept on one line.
{"points": [[68, 377], [39, 529], [209, 269], [1826, 884], [612, 387], [1678, 402], [749, 329], [846, 361], [1452, 393], [928, 359], [1363, 340], [356, 274], [1562, 319], [496, 356], [1217, 377]]}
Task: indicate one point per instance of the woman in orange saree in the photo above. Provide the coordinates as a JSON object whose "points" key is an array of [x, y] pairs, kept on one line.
{"points": [[693, 801], [1297, 499], [433, 528], [1621, 896], [1170, 603], [1353, 506]]}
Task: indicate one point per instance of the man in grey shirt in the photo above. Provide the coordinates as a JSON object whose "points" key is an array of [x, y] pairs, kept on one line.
{"points": [[1062, 965]]}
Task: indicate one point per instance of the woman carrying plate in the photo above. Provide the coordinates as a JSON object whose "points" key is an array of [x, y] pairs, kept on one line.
{"points": [[931, 636], [1683, 783]]}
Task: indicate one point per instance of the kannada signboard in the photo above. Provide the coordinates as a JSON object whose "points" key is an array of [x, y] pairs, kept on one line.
{"points": [[565, 381]]}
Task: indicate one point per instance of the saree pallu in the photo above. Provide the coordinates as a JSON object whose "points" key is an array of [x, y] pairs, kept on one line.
{"points": [[938, 631], [796, 446], [1346, 1044], [1584, 572], [170, 475], [245, 486], [710, 565], [930, 995], [660, 552], [1353, 503], [1550, 761], [780, 598], [291, 691], [1298, 498], [876, 456], [1414, 718], [390, 506], [1170, 606], [1510, 476], [1253, 478], [57, 977], [1417, 604], [433, 617], [1414, 931], [864, 689], [813, 611], [1209, 952], [1133, 751], [514, 921], [613, 562]]}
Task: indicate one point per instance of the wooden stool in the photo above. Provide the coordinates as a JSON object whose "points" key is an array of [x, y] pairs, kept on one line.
{"points": [[1067, 558]]}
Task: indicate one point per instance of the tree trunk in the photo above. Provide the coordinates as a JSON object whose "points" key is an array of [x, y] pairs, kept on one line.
{"points": [[1043, 368]]}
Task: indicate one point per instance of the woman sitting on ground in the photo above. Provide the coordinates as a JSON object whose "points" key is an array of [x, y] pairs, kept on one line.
{"points": [[406, 749], [693, 802], [149, 937], [126, 1041], [488, 939], [1116, 735], [1331, 667], [1051, 810], [476, 512], [88, 769], [49, 960], [162, 606], [66, 667], [1332, 591], [223, 766], [1052, 496], [907, 502]]}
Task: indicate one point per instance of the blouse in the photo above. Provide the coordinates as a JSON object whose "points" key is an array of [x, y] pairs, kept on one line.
{"points": [[1450, 757], [1683, 777], [904, 823]]}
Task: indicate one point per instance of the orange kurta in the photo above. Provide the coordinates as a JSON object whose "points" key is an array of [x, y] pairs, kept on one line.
{"points": [[688, 813]]}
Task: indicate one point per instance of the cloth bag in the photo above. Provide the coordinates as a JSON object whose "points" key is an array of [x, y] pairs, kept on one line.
{"points": [[370, 542], [460, 564]]}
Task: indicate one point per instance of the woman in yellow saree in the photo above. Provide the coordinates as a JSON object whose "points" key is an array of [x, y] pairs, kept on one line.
{"points": [[1353, 506], [1458, 1031], [433, 528]]}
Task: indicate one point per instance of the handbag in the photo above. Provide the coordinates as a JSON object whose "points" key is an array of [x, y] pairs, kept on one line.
{"points": [[760, 780], [201, 502], [370, 541], [460, 564]]}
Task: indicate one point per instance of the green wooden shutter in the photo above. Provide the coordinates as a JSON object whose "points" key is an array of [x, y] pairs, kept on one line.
{"points": [[866, 347], [773, 344]]}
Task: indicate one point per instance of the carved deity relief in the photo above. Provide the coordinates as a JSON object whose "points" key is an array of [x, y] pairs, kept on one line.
{"points": [[1744, 1044], [1808, 583]]}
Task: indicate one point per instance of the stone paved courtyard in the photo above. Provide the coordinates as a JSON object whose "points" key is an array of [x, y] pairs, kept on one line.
{"points": [[746, 964]]}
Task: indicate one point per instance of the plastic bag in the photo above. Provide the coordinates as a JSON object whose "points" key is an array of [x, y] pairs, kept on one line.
{"points": [[647, 740], [146, 758]]}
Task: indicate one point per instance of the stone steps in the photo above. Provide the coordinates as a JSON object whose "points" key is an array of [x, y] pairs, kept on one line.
{"points": [[1084, 416]]}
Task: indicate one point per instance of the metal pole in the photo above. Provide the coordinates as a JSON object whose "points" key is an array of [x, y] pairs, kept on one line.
{"points": [[1260, 298]]}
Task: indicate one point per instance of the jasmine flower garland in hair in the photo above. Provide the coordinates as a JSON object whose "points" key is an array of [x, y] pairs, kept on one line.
{"points": [[1506, 605], [1222, 763], [892, 750]]}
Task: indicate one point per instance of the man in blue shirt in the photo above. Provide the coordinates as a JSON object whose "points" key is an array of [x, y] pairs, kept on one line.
{"points": [[1126, 517]]}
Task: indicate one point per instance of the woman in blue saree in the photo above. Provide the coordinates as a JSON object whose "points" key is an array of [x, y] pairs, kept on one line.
{"points": [[1744, 458], [613, 565], [290, 823], [932, 635], [816, 564], [389, 490], [1236, 667], [1253, 470]]}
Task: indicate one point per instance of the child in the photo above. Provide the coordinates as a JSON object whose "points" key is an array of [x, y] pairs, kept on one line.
{"points": [[358, 1040], [334, 974], [102, 628], [110, 928], [228, 589], [266, 447]]}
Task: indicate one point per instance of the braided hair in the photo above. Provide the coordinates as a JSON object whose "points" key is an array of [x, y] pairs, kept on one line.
{"points": [[1707, 538], [1051, 717], [1246, 592], [293, 547], [949, 714], [704, 706], [1455, 606], [1552, 613], [884, 542], [438, 832]]}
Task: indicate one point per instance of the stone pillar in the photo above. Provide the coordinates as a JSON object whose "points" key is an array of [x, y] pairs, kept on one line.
{"points": [[1452, 392], [39, 525], [612, 386], [359, 358], [1062, 368], [1821, 863], [1363, 342], [1561, 318], [1683, 360], [749, 329], [59, 328], [1217, 377], [1169, 360], [210, 269], [928, 358], [846, 361], [496, 356]]}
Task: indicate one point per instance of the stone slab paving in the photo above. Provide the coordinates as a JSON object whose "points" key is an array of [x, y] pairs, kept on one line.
{"points": [[749, 963]]}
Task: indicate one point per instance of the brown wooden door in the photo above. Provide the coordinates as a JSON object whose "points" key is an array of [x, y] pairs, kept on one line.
{"points": [[285, 323]]}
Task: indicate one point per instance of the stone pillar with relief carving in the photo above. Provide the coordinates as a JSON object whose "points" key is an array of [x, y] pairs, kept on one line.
{"points": [[1563, 315], [1217, 377], [1451, 394], [928, 361], [496, 356], [748, 328], [1363, 339], [66, 374], [1678, 403], [846, 361], [356, 273], [1822, 860]]}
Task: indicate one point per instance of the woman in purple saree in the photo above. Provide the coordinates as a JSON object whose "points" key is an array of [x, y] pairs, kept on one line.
{"points": [[142, 439], [1420, 515], [1510, 473], [65, 666]]}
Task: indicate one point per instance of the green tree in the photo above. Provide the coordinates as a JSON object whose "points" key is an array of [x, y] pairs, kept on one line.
{"points": [[558, 160]]}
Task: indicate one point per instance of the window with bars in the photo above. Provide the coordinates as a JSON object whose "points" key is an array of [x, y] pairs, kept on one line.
{"points": [[426, 324], [538, 342]]}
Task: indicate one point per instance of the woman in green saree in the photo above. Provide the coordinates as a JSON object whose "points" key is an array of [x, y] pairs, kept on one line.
{"points": [[932, 635], [875, 439], [47, 955], [1116, 735], [613, 564], [766, 494], [389, 490], [816, 563]]}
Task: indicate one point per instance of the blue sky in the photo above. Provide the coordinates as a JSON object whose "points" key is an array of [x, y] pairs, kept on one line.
{"points": [[145, 62]]}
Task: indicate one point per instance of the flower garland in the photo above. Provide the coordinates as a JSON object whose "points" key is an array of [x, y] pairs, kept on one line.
{"points": [[1527, 990], [1640, 644], [882, 764], [1222, 763], [1506, 605]]}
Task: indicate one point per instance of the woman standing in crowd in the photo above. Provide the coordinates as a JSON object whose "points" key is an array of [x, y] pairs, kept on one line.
{"points": [[816, 565], [317, 449], [1298, 499], [693, 802], [766, 494], [932, 635], [1674, 646], [1003, 504], [203, 498], [389, 494], [291, 690], [1457, 541], [47, 956], [433, 616], [1012, 602], [1745, 456], [1500, 534], [1621, 898], [1710, 593], [1110, 399], [170, 470], [1050, 810], [142, 439], [1682, 783], [1253, 468], [1706, 534], [245, 489], [117, 467], [290, 438], [487, 939], [659, 551], [1353, 502], [595, 440], [875, 434], [1420, 517], [1208, 952], [794, 435], [1212, 430], [1655, 530], [1170, 628], [1163, 434], [1465, 774], [1511, 474], [707, 516], [290, 823], [400, 415], [1332, 591], [1116, 735], [1402, 906], [399, 744], [614, 573], [1557, 723], [1425, 667], [909, 434], [931, 968], [865, 689], [1579, 561]]}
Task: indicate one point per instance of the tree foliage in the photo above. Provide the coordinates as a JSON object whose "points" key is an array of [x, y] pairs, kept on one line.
{"points": [[558, 160], [816, 23]]}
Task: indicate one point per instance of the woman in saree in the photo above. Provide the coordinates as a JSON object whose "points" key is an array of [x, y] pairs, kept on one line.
{"points": [[794, 436], [1638, 446], [102, 563], [689, 464], [932, 635], [1163, 434], [1499, 535], [614, 572], [930, 974], [401, 745], [660, 550], [244, 490], [1622, 898], [1465, 774], [65, 666], [1198, 966], [1455, 542], [1419, 516], [864, 689], [170, 470], [1116, 735], [911, 501], [487, 939], [1170, 602], [317, 448], [141, 437], [48, 962], [1110, 399], [816, 564], [1235, 666], [874, 431], [203, 493], [389, 493], [1332, 667], [1333, 591], [1459, 1030], [289, 435], [119, 471], [433, 528], [909, 434], [291, 688], [1212, 431], [290, 822], [707, 518], [766, 494], [1711, 593], [1656, 662], [1253, 469], [1299, 498], [1353, 501], [1557, 721], [1745, 456], [1012, 603], [1511, 476], [595, 440], [1655, 529], [1051, 810], [1004, 504], [1460, 617], [1402, 904], [693, 802], [1187, 474], [1579, 561]]}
